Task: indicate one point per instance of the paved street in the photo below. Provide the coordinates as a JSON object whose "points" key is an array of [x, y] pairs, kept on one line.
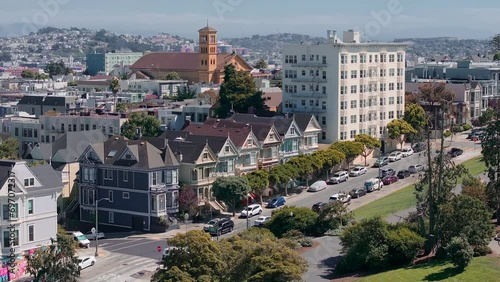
{"points": [[123, 260]]}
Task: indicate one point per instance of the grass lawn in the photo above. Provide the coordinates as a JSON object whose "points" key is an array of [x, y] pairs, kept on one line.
{"points": [[482, 269], [404, 198]]}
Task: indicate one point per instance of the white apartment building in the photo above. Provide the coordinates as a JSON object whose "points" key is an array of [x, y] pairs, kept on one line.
{"points": [[54, 126], [352, 87]]}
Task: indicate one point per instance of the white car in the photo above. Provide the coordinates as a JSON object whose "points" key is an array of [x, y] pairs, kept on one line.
{"points": [[317, 186], [91, 236], [251, 210], [339, 176], [261, 220], [85, 262], [340, 197], [357, 171], [395, 156], [406, 152]]}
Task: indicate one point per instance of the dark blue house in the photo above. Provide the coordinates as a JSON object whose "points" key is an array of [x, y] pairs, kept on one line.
{"points": [[140, 181]]}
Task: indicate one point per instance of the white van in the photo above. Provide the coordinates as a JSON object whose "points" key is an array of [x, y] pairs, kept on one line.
{"points": [[373, 184], [78, 236]]}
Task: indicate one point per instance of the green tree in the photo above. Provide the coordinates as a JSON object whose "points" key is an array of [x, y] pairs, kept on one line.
{"points": [[495, 42], [491, 154], [398, 128], [282, 175], [259, 182], [231, 189], [27, 74], [57, 262], [57, 68], [332, 217], [172, 76], [475, 188], [149, 125], [351, 150], [487, 116], [121, 107], [185, 93], [369, 144], [261, 64], [327, 159], [304, 166], [114, 85], [468, 217], [416, 116], [460, 252], [9, 149], [257, 255], [197, 257], [292, 218], [238, 92]]}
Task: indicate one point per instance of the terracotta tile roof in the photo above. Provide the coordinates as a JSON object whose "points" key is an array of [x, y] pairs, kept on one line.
{"points": [[207, 28], [176, 61]]}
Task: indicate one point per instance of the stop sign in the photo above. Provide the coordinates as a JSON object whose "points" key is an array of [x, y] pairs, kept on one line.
{"points": [[158, 249]]}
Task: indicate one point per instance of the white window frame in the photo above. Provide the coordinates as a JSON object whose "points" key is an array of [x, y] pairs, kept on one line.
{"points": [[111, 217], [126, 195]]}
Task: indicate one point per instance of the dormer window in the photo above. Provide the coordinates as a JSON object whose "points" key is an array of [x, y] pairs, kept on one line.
{"points": [[128, 156], [226, 149], [249, 143], [28, 182], [205, 156]]}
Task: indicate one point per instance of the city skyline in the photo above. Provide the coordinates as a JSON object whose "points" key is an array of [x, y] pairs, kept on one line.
{"points": [[377, 20]]}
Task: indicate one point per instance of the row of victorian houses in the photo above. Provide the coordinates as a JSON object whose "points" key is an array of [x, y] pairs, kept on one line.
{"points": [[139, 179]]}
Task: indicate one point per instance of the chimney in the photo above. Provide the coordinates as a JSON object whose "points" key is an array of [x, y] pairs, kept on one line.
{"points": [[331, 36], [138, 133]]}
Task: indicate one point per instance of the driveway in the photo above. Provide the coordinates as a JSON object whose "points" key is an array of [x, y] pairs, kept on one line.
{"points": [[321, 258]]}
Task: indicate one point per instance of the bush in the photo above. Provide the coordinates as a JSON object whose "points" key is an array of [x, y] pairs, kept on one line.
{"points": [[292, 218], [306, 242], [294, 235], [467, 126], [332, 217], [459, 252], [480, 251], [447, 134], [404, 245]]}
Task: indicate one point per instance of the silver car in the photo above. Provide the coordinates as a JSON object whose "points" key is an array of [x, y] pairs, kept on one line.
{"points": [[413, 169], [357, 171], [338, 177]]}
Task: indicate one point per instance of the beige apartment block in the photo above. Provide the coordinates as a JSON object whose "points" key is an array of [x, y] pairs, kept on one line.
{"points": [[352, 87]]}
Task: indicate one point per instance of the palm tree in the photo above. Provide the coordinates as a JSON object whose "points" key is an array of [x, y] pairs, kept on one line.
{"points": [[115, 87]]}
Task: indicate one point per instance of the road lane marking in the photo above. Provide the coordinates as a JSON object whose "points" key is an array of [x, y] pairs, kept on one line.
{"points": [[131, 245]]}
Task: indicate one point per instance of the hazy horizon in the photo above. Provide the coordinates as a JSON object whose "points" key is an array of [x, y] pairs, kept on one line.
{"points": [[377, 19]]}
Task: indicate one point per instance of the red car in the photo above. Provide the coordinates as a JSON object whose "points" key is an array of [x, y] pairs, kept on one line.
{"points": [[388, 180]]}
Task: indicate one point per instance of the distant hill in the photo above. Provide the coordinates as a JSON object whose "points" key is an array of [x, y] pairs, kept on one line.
{"points": [[272, 42]]}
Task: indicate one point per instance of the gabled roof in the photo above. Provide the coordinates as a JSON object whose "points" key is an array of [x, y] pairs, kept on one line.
{"points": [[281, 124], [216, 143], [237, 135], [207, 28], [261, 130], [47, 176], [303, 120]]}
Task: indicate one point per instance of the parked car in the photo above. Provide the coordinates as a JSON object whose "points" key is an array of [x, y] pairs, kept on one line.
{"points": [[78, 236], [381, 161], [406, 152], [224, 225], [85, 262], [91, 236], [475, 132], [211, 223], [340, 197], [317, 186], [373, 184], [357, 171], [387, 172], [419, 147], [455, 152], [261, 220], [357, 192], [276, 202], [339, 176], [319, 206], [402, 174], [167, 251], [413, 169], [251, 210], [388, 180], [395, 156]]}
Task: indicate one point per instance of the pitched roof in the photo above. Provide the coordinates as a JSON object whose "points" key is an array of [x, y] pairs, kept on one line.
{"points": [[145, 155], [261, 130], [303, 120], [207, 28], [281, 124], [237, 135], [47, 176], [177, 61], [5, 167]]}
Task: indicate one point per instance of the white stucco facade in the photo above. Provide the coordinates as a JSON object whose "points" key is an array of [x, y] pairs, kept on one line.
{"points": [[352, 88]]}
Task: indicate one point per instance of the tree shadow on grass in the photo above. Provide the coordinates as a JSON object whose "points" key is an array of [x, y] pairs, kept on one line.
{"points": [[446, 273]]}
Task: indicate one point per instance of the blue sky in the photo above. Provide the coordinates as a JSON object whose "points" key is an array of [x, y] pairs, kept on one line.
{"points": [[377, 19]]}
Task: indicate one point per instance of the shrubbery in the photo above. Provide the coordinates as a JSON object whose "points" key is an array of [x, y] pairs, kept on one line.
{"points": [[459, 252], [373, 244], [292, 218], [447, 134]]}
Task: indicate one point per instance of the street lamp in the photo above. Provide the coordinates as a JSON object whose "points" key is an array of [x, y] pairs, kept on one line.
{"points": [[96, 226]]}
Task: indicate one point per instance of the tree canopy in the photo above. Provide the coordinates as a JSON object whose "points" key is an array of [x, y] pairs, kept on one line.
{"points": [[351, 150], [495, 42], [57, 68], [9, 149], [114, 86], [150, 126], [327, 159], [292, 218], [282, 175], [416, 116], [185, 93], [238, 92], [231, 189], [398, 128], [172, 76], [259, 182], [369, 144], [261, 64]]}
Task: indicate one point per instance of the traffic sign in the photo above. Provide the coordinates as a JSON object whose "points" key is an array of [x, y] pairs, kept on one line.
{"points": [[158, 249], [92, 230]]}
